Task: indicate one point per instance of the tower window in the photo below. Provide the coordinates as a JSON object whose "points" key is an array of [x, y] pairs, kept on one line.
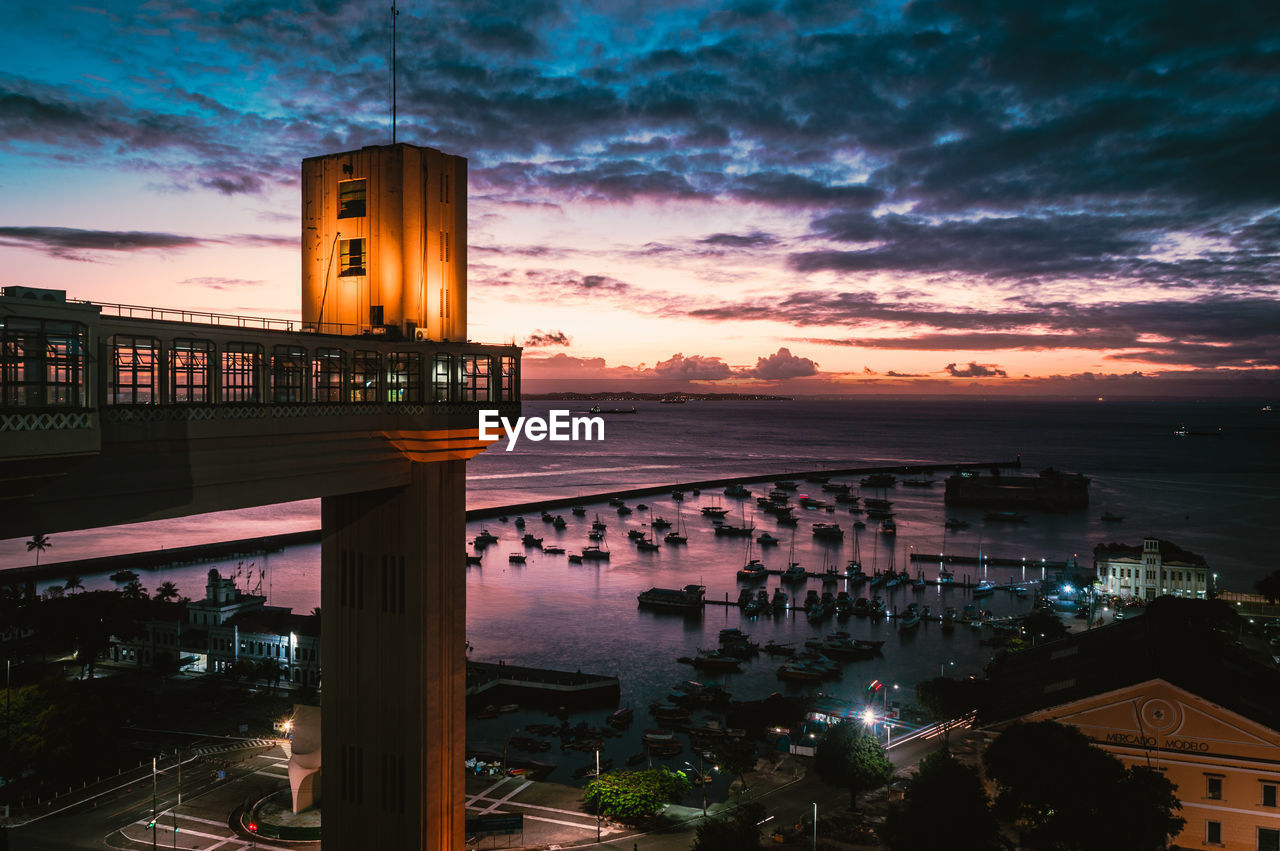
{"points": [[350, 257], [351, 195]]}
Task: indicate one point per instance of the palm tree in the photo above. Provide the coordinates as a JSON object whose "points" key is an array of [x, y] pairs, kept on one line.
{"points": [[73, 582], [167, 591], [39, 543], [133, 590]]}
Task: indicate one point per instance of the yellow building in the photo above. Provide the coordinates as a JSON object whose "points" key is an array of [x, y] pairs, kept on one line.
{"points": [[384, 243], [1176, 691]]}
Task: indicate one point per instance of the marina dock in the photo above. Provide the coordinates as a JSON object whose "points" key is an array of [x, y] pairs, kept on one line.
{"points": [[498, 682]]}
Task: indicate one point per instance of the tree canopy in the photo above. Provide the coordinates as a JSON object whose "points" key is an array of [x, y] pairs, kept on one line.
{"points": [[946, 807], [634, 795], [735, 832], [849, 756], [1269, 586], [1071, 795]]}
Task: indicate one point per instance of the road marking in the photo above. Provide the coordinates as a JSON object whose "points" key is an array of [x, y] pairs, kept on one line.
{"points": [[516, 791], [490, 789], [535, 807], [266, 772]]}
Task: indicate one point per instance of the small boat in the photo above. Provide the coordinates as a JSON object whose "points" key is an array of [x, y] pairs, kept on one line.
{"points": [[737, 491], [554, 551], [786, 485], [1004, 517], [642, 507], [473, 561], [714, 511], [124, 575], [795, 573], [946, 577], [888, 527], [574, 558], [714, 660], [910, 620], [828, 531], [644, 545], [598, 525], [623, 511], [659, 523], [779, 600], [559, 522], [635, 534], [1182, 431], [773, 648], [485, 538], [675, 538], [984, 589], [753, 571], [519, 522], [620, 717], [678, 496], [530, 541], [595, 554], [579, 511], [516, 558], [766, 540], [879, 480], [616, 503], [787, 520], [595, 535]]}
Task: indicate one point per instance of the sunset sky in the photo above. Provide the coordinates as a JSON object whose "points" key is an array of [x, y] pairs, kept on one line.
{"points": [[800, 197]]}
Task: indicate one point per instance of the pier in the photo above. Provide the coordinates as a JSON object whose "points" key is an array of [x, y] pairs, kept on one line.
{"points": [[498, 681], [992, 561]]}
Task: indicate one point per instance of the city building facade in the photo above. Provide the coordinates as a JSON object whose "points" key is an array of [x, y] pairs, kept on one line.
{"points": [[1151, 570]]}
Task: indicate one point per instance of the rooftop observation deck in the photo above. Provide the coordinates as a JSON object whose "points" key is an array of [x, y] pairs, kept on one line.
{"points": [[115, 413]]}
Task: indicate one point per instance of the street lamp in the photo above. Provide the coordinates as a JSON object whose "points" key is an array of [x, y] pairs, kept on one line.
{"points": [[702, 781], [942, 667], [815, 826]]}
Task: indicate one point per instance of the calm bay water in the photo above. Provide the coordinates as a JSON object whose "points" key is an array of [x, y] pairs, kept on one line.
{"points": [[1215, 495]]}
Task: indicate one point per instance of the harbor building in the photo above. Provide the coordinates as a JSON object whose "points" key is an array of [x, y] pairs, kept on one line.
{"points": [[116, 414], [1175, 690], [227, 627], [1153, 569]]}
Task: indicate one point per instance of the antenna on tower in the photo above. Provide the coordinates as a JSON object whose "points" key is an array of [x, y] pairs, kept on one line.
{"points": [[395, 13]]}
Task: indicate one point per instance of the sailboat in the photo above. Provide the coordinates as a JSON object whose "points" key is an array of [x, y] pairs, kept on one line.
{"points": [[677, 535]]}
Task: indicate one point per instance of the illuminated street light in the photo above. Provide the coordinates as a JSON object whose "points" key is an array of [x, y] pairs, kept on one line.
{"points": [[868, 716]]}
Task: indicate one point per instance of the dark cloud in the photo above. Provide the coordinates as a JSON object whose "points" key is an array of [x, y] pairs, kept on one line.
{"points": [[781, 364], [756, 239], [976, 370], [72, 242], [542, 339], [693, 367]]}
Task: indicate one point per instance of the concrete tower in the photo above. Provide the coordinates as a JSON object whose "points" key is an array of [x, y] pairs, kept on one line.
{"points": [[384, 242], [384, 253]]}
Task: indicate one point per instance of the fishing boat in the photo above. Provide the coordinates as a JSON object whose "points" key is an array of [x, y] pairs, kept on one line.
{"points": [[828, 531], [715, 660], [530, 541], [688, 598], [579, 511], [714, 511], [795, 573], [485, 538], [553, 551], [766, 540], [473, 561], [516, 558], [575, 558], [559, 522], [659, 523]]}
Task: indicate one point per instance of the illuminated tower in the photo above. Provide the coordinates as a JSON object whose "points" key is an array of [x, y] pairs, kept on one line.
{"points": [[384, 242]]}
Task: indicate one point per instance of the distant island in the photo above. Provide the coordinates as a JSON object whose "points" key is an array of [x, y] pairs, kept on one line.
{"points": [[629, 396]]}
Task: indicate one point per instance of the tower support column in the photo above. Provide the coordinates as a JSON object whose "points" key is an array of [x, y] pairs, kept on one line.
{"points": [[393, 627]]}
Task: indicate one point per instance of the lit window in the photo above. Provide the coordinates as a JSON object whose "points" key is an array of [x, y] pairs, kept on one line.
{"points": [[1213, 787], [350, 257], [351, 199]]}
